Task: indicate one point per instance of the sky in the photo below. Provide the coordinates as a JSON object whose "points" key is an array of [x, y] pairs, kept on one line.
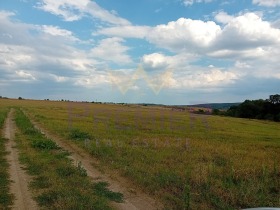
{"points": [[148, 51]]}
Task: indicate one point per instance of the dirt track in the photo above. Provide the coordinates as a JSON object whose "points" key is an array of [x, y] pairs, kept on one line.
{"points": [[19, 186], [134, 199]]}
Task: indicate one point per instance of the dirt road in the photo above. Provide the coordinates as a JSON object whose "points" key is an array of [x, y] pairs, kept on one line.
{"points": [[19, 186], [133, 198]]}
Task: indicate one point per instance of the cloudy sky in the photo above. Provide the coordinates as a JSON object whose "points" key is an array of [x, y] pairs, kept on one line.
{"points": [[150, 51]]}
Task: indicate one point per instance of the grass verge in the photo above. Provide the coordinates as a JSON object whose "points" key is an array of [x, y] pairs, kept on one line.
{"points": [[5, 197], [57, 183]]}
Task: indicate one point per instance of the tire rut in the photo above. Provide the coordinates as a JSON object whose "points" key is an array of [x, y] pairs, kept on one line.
{"points": [[19, 185]]}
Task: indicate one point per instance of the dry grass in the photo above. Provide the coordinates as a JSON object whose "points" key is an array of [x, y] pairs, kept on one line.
{"points": [[188, 161]]}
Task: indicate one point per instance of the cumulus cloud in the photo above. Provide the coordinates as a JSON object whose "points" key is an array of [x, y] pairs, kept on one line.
{"points": [[155, 60], [75, 10], [247, 31], [184, 34], [223, 17], [267, 3], [34, 52], [112, 49]]}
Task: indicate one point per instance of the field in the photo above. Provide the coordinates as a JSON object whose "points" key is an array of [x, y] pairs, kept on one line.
{"points": [[186, 161]]}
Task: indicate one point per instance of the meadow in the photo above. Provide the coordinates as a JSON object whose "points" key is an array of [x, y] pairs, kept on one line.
{"points": [[187, 161]]}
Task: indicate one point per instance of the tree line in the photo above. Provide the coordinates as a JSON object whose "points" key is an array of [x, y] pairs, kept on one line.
{"points": [[268, 109]]}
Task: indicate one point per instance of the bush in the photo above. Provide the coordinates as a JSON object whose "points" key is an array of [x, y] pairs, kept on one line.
{"points": [[77, 134], [44, 144]]}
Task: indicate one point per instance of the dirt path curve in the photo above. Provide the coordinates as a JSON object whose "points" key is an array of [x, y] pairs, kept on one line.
{"points": [[23, 199], [133, 199]]}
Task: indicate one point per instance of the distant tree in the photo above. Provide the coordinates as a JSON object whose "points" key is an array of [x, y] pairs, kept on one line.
{"points": [[0, 96], [275, 99], [215, 111], [20, 98]]}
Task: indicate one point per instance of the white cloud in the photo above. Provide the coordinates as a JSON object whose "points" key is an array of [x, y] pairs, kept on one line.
{"points": [[188, 2], [125, 31], [215, 78], [112, 49], [25, 75], [75, 10], [56, 31], [155, 60], [247, 31], [223, 17], [267, 3], [24, 57], [191, 2], [184, 34], [159, 61], [241, 65], [240, 33]]}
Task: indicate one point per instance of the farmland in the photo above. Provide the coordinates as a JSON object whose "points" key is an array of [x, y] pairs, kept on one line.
{"points": [[186, 161]]}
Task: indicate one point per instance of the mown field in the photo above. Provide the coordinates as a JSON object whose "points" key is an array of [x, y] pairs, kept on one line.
{"points": [[187, 161]]}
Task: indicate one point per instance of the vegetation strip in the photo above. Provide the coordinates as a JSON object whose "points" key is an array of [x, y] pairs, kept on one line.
{"points": [[57, 184], [6, 199], [19, 186]]}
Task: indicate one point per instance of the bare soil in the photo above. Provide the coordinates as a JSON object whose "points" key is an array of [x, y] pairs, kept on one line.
{"points": [[19, 186]]}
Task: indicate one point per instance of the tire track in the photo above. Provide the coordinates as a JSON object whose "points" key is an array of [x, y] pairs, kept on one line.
{"points": [[133, 200], [19, 185]]}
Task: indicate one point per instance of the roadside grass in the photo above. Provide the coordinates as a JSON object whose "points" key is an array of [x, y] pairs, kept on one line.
{"points": [[56, 182], [6, 199], [188, 161]]}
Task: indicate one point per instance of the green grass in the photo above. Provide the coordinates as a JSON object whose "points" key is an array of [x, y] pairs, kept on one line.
{"points": [[187, 161], [6, 198], [56, 182]]}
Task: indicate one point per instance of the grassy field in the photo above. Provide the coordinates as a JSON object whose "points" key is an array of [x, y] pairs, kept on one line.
{"points": [[5, 196], [56, 183], [187, 161]]}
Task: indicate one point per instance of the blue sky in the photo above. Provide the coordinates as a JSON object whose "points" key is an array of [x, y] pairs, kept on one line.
{"points": [[156, 51]]}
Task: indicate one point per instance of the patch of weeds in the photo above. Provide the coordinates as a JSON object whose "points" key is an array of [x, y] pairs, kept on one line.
{"points": [[168, 178], [40, 182], [77, 134], [61, 154], [45, 144], [47, 198], [101, 189], [81, 170], [65, 171], [220, 161], [31, 131], [5, 197]]}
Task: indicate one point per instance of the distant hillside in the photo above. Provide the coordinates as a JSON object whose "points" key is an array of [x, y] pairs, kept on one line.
{"points": [[215, 105]]}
